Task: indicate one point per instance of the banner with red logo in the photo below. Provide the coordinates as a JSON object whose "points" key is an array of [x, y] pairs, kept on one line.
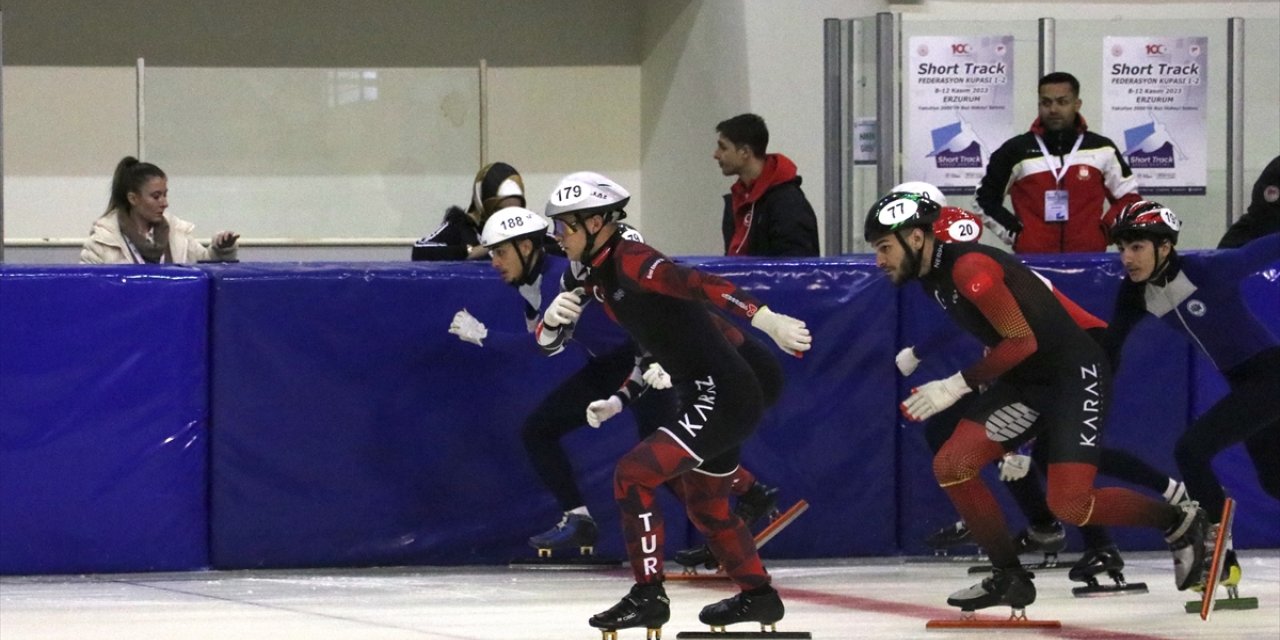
{"points": [[960, 92], [1153, 108]]}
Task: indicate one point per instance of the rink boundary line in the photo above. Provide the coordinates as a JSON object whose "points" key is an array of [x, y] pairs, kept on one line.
{"points": [[926, 613]]}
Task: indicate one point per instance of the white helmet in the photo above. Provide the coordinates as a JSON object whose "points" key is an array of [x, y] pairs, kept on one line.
{"points": [[922, 188], [512, 223], [587, 193]]}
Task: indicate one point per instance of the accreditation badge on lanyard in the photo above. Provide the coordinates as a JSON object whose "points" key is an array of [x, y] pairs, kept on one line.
{"points": [[1056, 206]]}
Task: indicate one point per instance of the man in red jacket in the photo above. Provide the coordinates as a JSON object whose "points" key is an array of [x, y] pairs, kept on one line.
{"points": [[1067, 183], [765, 212]]}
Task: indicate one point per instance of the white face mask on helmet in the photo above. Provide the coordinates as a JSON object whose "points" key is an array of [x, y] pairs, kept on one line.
{"points": [[587, 193], [922, 188], [512, 223]]}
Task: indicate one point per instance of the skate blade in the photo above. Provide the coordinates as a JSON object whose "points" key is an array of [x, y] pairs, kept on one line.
{"points": [[993, 623], [726, 635], [695, 576], [568, 563], [1235, 604], [781, 522], [1102, 591], [1048, 565], [964, 558]]}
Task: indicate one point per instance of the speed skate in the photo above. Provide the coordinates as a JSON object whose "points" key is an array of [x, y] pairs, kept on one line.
{"points": [[556, 547], [1011, 587], [1223, 571]]}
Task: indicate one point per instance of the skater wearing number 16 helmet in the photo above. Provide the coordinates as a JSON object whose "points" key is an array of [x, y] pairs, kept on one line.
{"points": [[1199, 295], [667, 309], [1040, 363]]}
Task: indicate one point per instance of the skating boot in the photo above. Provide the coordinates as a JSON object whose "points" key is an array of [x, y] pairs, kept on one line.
{"points": [[1186, 540], [1011, 586], [574, 530], [1230, 574], [1095, 561], [949, 537], [645, 606], [759, 501], [758, 605], [1176, 493], [1047, 539], [695, 557]]}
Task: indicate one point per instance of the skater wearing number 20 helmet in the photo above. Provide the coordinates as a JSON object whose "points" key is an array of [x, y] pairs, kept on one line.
{"points": [[1045, 378], [667, 309]]}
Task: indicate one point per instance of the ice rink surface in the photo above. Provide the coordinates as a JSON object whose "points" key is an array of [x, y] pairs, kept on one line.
{"points": [[862, 598]]}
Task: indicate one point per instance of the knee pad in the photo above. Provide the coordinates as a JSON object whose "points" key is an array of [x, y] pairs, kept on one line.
{"points": [[1071, 506], [633, 471], [951, 466], [707, 501], [651, 463]]}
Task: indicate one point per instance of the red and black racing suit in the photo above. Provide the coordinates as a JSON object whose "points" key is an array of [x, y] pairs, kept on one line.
{"points": [[1046, 378], [664, 307]]}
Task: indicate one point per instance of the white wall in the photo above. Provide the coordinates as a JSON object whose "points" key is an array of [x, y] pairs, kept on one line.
{"points": [[708, 60], [645, 114]]}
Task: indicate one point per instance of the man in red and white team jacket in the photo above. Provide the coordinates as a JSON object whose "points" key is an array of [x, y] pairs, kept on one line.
{"points": [[1067, 183]]}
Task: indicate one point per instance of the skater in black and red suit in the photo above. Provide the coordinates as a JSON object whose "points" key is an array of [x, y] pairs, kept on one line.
{"points": [[1046, 379], [667, 310]]}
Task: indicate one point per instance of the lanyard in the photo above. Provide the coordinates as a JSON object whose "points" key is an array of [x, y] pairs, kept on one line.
{"points": [[1061, 171]]}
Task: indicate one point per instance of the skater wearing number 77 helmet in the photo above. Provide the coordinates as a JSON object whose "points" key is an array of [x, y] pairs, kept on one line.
{"points": [[1046, 379], [666, 309]]}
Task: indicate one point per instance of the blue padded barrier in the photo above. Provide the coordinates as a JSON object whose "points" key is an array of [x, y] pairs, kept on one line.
{"points": [[103, 405], [347, 427], [828, 439], [352, 429], [360, 432]]}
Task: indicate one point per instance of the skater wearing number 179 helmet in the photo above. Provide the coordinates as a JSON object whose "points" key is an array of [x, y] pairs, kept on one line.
{"points": [[1199, 295], [515, 238], [666, 308], [1040, 364]]}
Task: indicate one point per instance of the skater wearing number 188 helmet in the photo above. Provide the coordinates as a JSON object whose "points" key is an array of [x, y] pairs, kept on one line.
{"points": [[1045, 378], [667, 309], [1199, 296]]}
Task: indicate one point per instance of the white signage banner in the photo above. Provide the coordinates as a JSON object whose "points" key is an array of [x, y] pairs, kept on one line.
{"points": [[960, 110], [1153, 107]]}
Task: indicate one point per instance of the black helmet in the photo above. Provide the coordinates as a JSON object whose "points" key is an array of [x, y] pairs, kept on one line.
{"points": [[494, 183], [1145, 219], [900, 210]]}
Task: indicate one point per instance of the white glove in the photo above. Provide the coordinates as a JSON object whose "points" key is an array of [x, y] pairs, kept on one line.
{"points": [[932, 397], [790, 333], [656, 377], [564, 309], [601, 410], [907, 361], [468, 329], [1005, 234], [1014, 466]]}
